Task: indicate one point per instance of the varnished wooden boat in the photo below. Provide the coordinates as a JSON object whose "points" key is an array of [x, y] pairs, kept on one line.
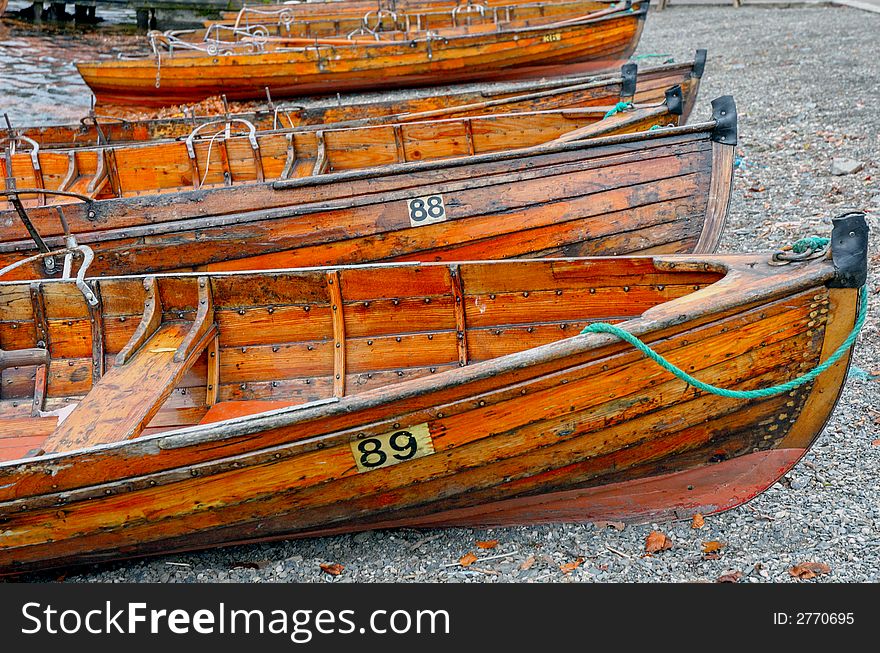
{"points": [[593, 42], [188, 411], [228, 153], [665, 190], [403, 106]]}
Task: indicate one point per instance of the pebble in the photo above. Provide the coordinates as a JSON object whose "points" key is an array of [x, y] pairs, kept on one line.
{"points": [[841, 167]]}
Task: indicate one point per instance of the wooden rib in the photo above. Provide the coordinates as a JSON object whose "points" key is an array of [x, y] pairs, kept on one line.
{"points": [[469, 135], [290, 161], [100, 178], [38, 306], [258, 162], [321, 162], [113, 171], [194, 168], [461, 333], [152, 317], [203, 321], [41, 381], [72, 172], [224, 161], [336, 307], [720, 187], [96, 320], [213, 379], [38, 179], [398, 142]]}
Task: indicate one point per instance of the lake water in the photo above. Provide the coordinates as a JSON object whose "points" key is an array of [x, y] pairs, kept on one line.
{"points": [[39, 83]]}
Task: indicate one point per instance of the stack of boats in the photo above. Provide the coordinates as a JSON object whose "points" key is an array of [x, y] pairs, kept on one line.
{"points": [[351, 312]]}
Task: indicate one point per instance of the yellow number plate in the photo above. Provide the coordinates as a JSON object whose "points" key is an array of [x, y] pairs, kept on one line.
{"points": [[550, 38], [392, 448]]}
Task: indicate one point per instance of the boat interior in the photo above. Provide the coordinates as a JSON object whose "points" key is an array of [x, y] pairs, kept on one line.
{"points": [[163, 352], [401, 24], [228, 152]]}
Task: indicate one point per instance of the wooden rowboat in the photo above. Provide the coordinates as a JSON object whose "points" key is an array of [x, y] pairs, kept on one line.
{"points": [[228, 153], [445, 102], [589, 43], [188, 411], [665, 190]]}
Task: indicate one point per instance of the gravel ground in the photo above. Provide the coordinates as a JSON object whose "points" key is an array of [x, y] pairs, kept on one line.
{"points": [[807, 82]]}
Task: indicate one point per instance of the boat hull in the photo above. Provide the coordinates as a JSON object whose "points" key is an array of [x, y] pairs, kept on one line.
{"points": [[602, 90], [662, 191], [576, 429], [588, 46]]}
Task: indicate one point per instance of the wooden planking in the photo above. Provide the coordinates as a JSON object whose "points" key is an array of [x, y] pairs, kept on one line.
{"points": [[336, 467], [125, 214]]}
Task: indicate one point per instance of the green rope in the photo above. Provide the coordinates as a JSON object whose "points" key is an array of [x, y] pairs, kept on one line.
{"points": [[620, 107], [812, 243], [638, 57], [604, 327]]}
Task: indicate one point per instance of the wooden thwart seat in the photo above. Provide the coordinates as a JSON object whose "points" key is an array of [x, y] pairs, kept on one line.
{"points": [[126, 398]]}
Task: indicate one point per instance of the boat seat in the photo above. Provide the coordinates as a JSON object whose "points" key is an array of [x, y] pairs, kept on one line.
{"points": [[122, 403], [229, 409]]}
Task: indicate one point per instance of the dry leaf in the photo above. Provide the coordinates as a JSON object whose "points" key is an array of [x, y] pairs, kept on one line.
{"points": [[698, 521], [569, 567], [527, 563], [332, 568], [467, 559], [657, 541], [807, 570], [876, 443], [163, 350], [729, 577], [487, 544], [616, 525], [713, 546]]}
